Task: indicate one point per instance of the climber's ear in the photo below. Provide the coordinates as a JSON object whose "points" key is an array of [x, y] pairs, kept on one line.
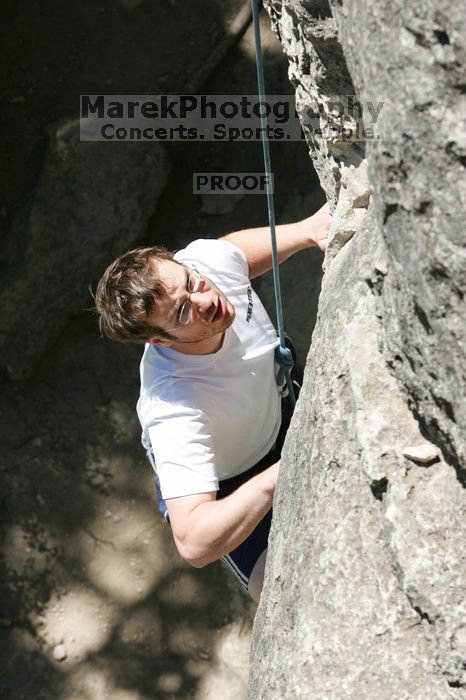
{"points": [[156, 340]]}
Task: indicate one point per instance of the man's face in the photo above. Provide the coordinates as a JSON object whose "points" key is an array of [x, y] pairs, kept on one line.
{"points": [[212, 313]]}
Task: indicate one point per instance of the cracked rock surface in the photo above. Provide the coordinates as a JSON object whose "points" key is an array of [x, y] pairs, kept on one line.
{"points": [[365, 593]]}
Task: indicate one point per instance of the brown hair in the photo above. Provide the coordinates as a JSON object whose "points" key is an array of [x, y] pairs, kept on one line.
{"points": [[127, 293]]}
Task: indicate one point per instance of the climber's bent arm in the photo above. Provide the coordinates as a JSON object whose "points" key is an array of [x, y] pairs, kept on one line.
{"points": [[205, 529], [256, 244]]}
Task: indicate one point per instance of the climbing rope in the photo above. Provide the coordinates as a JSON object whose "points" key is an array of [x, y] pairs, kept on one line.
{"points": [[283, 354]]}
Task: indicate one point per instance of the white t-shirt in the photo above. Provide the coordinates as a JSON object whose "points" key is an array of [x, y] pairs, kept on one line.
{"points": [[211, 417]]}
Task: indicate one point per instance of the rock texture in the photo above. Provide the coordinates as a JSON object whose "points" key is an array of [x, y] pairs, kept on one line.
{"points": [[68, 208], [365, 592], [91, 202]]}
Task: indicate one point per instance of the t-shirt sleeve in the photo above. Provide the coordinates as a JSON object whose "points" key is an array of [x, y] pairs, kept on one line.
{"points": [[183, 452], [221, 260]]}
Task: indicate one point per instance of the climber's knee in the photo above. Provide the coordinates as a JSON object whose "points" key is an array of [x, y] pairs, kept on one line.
{"points": [[256, 579]]}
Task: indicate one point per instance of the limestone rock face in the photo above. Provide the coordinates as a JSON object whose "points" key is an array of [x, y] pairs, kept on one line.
{"points": [[365, 592]]}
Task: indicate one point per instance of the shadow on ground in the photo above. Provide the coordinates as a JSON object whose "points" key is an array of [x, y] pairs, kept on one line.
{"points": [[89, 564]]}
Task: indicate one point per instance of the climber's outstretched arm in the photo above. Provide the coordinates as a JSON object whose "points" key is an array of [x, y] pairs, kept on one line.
{"points": [[256, 244]]}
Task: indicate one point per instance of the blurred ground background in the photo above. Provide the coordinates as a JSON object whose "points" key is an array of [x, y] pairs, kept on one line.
{"points": [[87, 563]]}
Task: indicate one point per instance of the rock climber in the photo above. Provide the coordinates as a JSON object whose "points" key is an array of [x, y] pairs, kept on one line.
{"points": [[209, 406]]}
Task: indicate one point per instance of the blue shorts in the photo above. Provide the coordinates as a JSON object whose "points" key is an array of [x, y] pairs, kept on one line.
{"points": [[242, 560]]}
